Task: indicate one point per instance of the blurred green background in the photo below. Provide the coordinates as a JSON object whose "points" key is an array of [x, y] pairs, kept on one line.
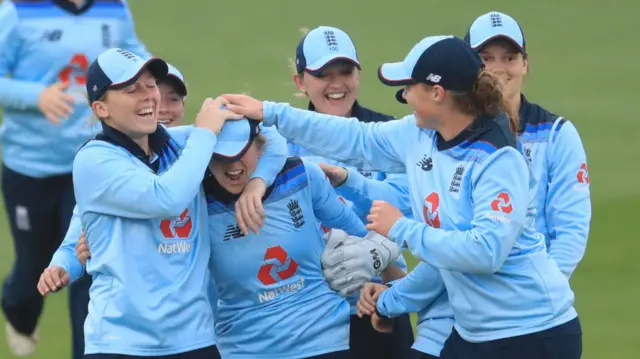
{"points": [[584, 57]]}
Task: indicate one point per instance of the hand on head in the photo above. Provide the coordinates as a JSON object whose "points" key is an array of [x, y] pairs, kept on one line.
{"points": [[214, 113], [244, 105]]}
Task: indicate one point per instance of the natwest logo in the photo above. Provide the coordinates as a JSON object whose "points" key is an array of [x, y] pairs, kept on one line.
{"points": [[278, 266], [502, 203], [430, 210], [179, 227], [583, 174]]}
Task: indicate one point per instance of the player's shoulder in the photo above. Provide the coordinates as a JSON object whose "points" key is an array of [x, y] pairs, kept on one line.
{"points": [[292, 178], [365, 114], [533, 118], [96, 147], [493, 135], [293, 167]]}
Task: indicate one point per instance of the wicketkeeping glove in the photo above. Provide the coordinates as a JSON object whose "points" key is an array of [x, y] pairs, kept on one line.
{"points": [[349, 262]]}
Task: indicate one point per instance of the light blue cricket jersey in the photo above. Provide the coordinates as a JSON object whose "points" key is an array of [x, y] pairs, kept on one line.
{"points": [[150, 251], [558, 160], [42, 44], [472, 214], [268, 167], [273, 299]]}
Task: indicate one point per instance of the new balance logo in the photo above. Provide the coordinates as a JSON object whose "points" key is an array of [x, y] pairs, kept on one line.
{"points": [[434, 78], [52, 36], [297, 217], [496, 20], [232, 232], [367, 174], [426, 163], [331, 40]]}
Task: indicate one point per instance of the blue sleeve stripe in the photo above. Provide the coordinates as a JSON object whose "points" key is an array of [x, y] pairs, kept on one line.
{"points": [[479, 145], [467, 155], [98, 10], [543, 126], [288, 182], [541, 132]]}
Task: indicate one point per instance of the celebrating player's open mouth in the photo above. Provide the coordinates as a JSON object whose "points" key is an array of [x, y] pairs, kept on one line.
{"points": [[234, 176]]}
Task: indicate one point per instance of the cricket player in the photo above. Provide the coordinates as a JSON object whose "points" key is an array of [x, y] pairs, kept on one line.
{"points": [[276, 303], [508, 296], [134, 148], [559, 166], [550, 143], [173, 93], [327, 73], [45, 50]]}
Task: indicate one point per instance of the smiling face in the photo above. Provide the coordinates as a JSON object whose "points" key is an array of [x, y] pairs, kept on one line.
{"points": [[502, 58], [426, 102], [234, 176], [334, 91], [171, 105], [132, 110]]}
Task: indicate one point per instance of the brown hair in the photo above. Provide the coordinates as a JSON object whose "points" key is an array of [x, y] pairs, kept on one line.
{"points": [[486, 99]]}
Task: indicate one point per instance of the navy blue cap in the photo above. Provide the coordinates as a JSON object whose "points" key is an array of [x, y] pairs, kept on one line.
{"points": [[235, 138], [494, 25], [118, 68], [175, 74], [321, 47], [447, 61]]}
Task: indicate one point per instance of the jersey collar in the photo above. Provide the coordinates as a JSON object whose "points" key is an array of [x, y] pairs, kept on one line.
{"points": [[157, 142], [474, 130], [70, 7]]}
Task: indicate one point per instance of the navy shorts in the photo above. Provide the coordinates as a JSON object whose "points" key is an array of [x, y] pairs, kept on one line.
{"points": [[415, 354], [367, 343], [204, 353], [561, 342]]}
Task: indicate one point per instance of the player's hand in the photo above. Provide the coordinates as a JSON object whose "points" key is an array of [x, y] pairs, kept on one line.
{"points": [[245, 105], [54, 103], [337, 175], [382, 216], [369, 297], [382, 325], [82, 249], [349, 262], [249, 210], [52, 279], [212, 115]]}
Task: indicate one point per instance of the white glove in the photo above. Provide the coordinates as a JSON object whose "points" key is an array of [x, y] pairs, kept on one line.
{"points": [[349, 262]]}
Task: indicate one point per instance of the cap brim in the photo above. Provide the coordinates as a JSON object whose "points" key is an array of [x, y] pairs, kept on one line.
{"points": [[180, 86], [230, 151], [395, 74], [480, 44], [321, 64], [158, 68]]}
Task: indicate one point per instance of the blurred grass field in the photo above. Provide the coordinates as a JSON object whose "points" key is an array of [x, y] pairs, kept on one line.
{"points": [[583, 59]]}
